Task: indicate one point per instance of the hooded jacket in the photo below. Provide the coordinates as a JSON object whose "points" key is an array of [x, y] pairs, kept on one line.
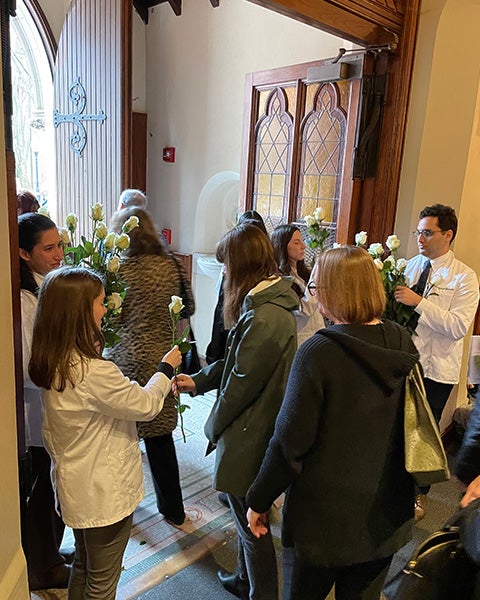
{"points": [[339, 447], [251, 381]]}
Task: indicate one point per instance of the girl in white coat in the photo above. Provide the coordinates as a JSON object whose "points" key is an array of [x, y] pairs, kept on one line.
{"points": [[89, 426]]}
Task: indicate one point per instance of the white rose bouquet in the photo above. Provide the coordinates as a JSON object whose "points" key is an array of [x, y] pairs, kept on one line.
{"points": [[101, 252], [175, 309], [317, 233], [392, 271]]}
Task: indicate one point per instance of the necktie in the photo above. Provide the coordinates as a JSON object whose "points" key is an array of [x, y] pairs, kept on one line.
{"points": [[419, 287]]}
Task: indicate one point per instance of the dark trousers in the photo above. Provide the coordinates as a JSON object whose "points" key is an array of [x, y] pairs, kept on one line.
{"points": [[305, 581], [437, 396], [256, 561], [44, 528], [98, 561], [162, 459]]}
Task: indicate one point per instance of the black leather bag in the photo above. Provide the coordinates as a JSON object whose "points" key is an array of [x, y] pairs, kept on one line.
{"points": [[440, 568], [191, 360]]}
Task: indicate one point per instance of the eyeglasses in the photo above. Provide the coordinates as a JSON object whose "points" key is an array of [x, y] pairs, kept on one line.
{"points": [[312, 288], [426, 233]]}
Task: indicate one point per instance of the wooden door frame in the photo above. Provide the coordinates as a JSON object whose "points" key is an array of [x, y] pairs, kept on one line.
{"points": [[374, 200]]}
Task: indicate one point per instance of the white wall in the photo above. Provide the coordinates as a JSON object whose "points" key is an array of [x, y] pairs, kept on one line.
{"points": [[196, 66], [442, 145]]}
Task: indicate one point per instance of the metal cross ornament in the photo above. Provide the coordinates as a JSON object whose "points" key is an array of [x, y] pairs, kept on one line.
{"points": [[77, 95]]}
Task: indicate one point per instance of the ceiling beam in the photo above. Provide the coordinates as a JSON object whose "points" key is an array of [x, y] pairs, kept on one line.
{"points": [[143, 6]]}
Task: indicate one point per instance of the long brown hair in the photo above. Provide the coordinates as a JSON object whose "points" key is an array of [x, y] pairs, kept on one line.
{"points": [[65, 329], [248, 256], [281, 237], [349, 286]]}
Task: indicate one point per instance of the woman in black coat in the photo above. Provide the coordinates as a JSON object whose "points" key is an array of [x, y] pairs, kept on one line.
{"points": [[338, 445]]}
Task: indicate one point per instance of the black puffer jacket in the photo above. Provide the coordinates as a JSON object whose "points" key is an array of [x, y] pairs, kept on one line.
{"points": [[467, 466]]}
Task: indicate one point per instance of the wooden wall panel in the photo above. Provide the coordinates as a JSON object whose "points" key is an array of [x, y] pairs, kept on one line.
{"points": [[91, 50]]}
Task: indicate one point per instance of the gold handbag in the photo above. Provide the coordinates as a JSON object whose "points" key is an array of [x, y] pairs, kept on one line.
{"points": [[425, 456]]}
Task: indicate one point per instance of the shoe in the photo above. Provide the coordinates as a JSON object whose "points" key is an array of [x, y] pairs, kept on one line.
{"points": [[223, 499], [175, 522], [186, 525], [420, 507], [234, 584], [55, 578], [68, 555]]}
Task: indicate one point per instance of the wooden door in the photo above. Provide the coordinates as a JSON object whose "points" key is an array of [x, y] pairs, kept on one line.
{"points": [[92, 102], [302, 126]]}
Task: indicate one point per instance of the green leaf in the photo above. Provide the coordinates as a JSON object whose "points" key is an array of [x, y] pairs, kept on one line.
{"points": [[184, 346]]}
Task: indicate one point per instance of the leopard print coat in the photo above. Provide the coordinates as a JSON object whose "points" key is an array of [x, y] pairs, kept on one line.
{"points": [[145, 326]]}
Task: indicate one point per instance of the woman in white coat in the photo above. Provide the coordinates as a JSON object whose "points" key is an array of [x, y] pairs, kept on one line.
{"points": [[289, 249]]}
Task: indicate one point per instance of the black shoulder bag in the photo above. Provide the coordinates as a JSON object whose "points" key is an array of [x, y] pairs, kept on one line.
{"points": [[444, 566], [190, 360]]}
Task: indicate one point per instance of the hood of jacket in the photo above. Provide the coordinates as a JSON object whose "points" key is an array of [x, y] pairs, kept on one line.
{"points": [[386, 365], [279, 293]]}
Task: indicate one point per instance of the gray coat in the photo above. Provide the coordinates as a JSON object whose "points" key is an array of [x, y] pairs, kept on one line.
{"points": [[251, 381]]}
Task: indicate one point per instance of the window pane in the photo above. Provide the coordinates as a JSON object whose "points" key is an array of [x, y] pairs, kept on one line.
{"points": [[322, 147], [273, 153]]}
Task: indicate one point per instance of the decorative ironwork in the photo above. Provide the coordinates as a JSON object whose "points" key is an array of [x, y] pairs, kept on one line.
{"points": [[78, 96]]}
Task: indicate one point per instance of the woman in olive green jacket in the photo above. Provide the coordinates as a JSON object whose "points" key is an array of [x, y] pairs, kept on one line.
{"points": [[251, 380]]}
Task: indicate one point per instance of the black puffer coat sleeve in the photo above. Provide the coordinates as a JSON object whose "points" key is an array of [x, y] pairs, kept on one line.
{"points": [[467, 466]]}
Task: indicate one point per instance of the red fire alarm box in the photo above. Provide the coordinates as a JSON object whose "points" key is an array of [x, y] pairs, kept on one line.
{"points": [[169, 155], [167, 234]]}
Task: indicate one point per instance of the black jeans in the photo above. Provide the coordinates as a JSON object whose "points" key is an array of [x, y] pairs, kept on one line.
{"points": [[44, 530], [162, 459], [305, 581], [256, 561]]}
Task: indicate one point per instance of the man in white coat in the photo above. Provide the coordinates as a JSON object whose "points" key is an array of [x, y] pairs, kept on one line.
{"points": [[444, 292]]}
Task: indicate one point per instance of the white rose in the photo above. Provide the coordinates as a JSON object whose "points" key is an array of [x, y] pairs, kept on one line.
{"points": [[401, 265], [71, 221], [392, 242], [97, 212], [113, 264], [130, 224], [64, 236], [122, 241], [109, 242], [101, 231], [376, 250], [378, 264], [319, 214], [176, 305], [389, 263], [337, 245], [43, 210], [310, 220], [361, 238], [114, 301]]}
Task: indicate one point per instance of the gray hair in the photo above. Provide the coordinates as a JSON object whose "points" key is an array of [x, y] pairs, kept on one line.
{"points": [[131, 197]]}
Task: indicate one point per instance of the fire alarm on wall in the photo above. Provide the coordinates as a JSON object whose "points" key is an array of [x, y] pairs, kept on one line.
{"points": [[169, 154]]}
